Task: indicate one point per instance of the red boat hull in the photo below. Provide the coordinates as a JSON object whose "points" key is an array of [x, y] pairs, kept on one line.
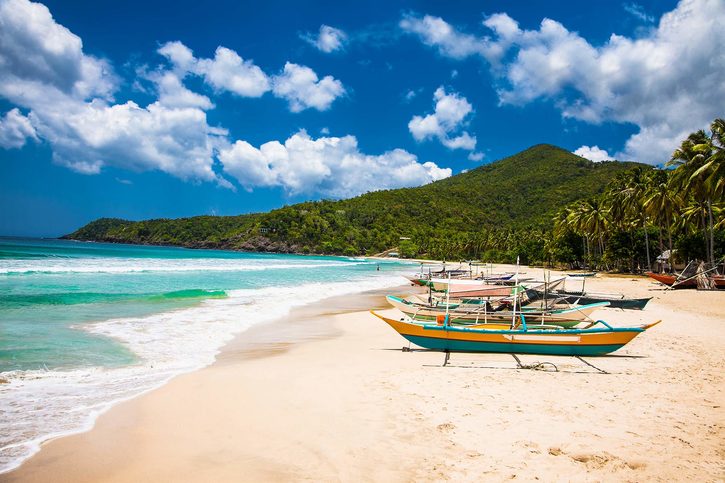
{"points": [[669, 280], [719, 280]]}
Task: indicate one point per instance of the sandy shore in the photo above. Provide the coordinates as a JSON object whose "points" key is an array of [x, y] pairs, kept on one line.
{"points": [[335, 399]]}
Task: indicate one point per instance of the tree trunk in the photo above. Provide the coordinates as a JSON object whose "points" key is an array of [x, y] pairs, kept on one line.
{"points": [[712, 236], [646, 244], [704, 231]]}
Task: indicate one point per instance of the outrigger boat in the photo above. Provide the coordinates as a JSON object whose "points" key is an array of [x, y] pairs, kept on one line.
{"points": [[617, 301], [582, 274], [718, 280], [463, 314], [525, 340], [672, 280], [459, 285]]}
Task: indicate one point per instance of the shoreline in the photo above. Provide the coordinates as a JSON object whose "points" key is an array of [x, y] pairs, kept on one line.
{"points": [[258, 340], [347, 404]]}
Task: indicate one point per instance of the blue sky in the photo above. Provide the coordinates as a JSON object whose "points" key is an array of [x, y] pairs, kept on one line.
{"points": [[144, 109]]}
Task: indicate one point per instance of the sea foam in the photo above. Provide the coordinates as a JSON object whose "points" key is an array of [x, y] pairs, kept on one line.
{"points": [[39, 405]]}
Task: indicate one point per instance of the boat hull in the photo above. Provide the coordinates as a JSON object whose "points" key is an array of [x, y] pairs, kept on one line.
{"points": [[719, 281], [572, 298], [572, 342], [455, 345], [670, 280], [564, 318]]}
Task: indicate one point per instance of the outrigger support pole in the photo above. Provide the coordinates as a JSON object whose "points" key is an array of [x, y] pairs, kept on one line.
{"points": [[591, 365], [536, 366], [447, 357]]}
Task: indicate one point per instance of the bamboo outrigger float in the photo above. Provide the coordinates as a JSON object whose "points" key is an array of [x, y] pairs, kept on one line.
{"points": [[567, 342], [479, 314]]}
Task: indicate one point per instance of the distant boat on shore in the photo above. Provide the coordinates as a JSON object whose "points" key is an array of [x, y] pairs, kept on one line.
{"points": [[671, 280]]}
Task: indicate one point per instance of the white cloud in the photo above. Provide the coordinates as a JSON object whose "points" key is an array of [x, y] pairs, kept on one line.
{"points": [[667, 82], [176, 141], [227, 71], [638, 11], [435, 32], [69, 97], [593, 153], [172, 92], [332, 166], [35, 50], [329, 39], [300, 86], [181, 56], [15, 129], [476, 156], [412, 94], [450, 113]]}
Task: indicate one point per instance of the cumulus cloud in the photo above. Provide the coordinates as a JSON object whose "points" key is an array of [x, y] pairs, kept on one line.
{"points": [[593, 153], [436, 32], [15, 130], [333, 166], [227, 71], [173, 93], [329, 39], [446, 121], [69, 95], [35, 50], [300, 86], [667, 82]]}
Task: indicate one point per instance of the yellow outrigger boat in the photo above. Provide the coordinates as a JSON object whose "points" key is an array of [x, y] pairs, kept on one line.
{"points": [[593, 341]]}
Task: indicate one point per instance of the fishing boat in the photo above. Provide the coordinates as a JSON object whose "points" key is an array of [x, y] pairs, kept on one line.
{"points": [[671, 280], [594, 341], [497, 277], [474, 314], [718, 280], [582, 274], [617, 301], [465, 291]]}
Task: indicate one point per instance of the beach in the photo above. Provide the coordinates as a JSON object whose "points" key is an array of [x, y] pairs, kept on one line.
{"points": [[343, 402]]}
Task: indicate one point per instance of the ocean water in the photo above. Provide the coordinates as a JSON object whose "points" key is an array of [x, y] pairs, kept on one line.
{"points": [[86, 325]]}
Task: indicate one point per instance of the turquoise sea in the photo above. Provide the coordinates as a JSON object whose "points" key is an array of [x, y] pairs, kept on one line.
{"points": [[85, 325]]}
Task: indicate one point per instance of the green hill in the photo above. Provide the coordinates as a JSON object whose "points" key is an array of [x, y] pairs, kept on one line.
{"points": [[494, 210]]}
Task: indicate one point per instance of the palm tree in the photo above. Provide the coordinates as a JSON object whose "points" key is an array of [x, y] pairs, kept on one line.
{"points": [[714, 167], [661, 202], [692, 174], [575, 222], [626, 199]]}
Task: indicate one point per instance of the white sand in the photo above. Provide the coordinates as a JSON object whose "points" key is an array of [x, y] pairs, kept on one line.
{"points": [[354, 407]]}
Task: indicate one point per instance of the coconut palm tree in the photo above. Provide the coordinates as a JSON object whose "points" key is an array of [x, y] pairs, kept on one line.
{"points": [[662, 203], [697, 159], [626, 200]]}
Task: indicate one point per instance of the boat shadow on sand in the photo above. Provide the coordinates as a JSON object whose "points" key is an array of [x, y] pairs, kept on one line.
{"points": [[564, 364]]}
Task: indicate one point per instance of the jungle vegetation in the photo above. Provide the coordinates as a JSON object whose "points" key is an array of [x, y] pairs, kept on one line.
{"points": [[544, 205]]}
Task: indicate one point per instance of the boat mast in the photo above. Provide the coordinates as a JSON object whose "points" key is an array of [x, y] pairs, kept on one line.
{"points": [[516, 295]]}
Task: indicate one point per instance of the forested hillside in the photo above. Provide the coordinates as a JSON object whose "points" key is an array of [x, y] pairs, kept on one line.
{"points": [[495, 212]]}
